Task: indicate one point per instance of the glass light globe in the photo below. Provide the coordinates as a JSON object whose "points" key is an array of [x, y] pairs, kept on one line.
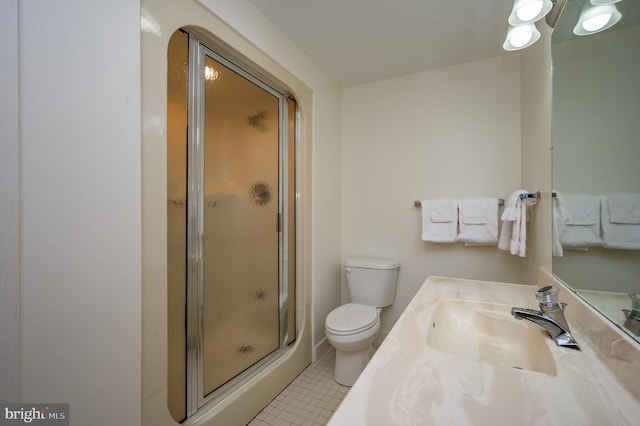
{"points": [[521, 39], [594, 19], [597, 22], [521, 36], [530, 10]]}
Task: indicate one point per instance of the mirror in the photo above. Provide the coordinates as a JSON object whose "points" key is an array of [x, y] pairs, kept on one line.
{"points": [[596, 148]]}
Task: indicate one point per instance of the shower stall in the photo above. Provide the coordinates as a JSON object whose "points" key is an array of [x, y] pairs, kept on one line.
{"points": [[231, 203]]}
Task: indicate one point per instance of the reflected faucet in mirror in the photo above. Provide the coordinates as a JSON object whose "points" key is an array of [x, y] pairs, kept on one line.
{"points": [[632, 322], [550, 317]]}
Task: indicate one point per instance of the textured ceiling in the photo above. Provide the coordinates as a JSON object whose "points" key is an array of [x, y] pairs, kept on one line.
{"points": [[361, 41]]}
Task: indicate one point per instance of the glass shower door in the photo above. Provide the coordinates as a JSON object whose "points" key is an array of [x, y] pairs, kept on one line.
{"points": [[231, 224], [240, 272]]}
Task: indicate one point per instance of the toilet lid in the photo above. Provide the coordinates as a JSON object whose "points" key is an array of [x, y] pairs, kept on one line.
{"points": [[351, 318]]}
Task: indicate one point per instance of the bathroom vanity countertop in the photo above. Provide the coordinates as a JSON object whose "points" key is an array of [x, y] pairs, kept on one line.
{"points": [[407, 382]]}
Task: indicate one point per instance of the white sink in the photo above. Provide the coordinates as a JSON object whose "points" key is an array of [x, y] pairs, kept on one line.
{"points": [[488, 333]]}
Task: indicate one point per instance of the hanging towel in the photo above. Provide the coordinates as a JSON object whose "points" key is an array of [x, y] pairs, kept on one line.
{"points": [[581, 228], [560, 214], [478, 221], [620, 235], [440, 220], [513, 236]]}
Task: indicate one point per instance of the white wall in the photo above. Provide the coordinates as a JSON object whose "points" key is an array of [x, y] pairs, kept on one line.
{"points": [[9, 202], [451, 132], [80, 208]]}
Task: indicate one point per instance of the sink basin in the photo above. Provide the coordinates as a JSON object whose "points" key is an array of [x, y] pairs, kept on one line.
{"points": [[488, 333]]}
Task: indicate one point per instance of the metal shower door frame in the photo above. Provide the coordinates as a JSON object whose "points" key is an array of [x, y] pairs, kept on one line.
{"points": [[195, 397]]}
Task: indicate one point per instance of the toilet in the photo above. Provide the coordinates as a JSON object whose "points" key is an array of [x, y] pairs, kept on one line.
{"points": [[352, 328]]}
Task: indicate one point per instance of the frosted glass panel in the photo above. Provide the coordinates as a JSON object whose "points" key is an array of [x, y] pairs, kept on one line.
{"points": [[240, 252]]}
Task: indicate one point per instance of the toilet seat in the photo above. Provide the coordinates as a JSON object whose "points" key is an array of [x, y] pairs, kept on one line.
{"points": [[351, 318]]}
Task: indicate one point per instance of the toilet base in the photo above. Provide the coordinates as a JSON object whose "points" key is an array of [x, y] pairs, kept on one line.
{"points": [[349, 365]]}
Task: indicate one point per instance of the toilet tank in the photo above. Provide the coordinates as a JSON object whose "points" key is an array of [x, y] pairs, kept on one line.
{"points": [[371, 281]]}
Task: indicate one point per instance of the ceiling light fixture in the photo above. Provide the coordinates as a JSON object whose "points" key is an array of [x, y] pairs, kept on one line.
{"points": [[522, 30], [596, 18], [529, 11]]}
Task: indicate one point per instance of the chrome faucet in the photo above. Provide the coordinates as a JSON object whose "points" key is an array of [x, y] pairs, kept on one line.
{"points": [[550, 317]]}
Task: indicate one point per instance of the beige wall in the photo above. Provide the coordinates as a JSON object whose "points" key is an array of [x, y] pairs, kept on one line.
{"points": [[451, 132]]}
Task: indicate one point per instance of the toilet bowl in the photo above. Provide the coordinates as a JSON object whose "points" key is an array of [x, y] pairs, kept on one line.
{"points": [[351, 329]]}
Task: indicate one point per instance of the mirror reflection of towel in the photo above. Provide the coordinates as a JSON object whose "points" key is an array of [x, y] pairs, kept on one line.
{"points": [[560, 214], [624, 208], [581, 227], [620, 235]]}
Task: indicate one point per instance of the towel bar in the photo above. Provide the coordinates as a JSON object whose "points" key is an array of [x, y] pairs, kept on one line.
{"points": [[535, 195], [419, 203], [501, 200]]}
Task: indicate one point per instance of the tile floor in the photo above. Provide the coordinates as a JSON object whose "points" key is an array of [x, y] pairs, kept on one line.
{"points": [[309, 400]]}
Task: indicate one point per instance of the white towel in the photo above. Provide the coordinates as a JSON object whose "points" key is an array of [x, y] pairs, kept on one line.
{"points": [[560, 214], [513, 236], [624, 236], [440, 220], [478, 221], [624, 208], [581, 228]]}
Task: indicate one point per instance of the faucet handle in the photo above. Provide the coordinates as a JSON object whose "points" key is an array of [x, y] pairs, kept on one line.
{"points": [[548, 298], [635, 301]]}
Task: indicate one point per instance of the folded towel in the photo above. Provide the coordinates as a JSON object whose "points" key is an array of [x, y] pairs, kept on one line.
{"points": [[478, 221], [474, 211], [624, 208], [560, 214], [443, 210], [624, 236], [581, 227], [513, 236], [440, 220]]}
